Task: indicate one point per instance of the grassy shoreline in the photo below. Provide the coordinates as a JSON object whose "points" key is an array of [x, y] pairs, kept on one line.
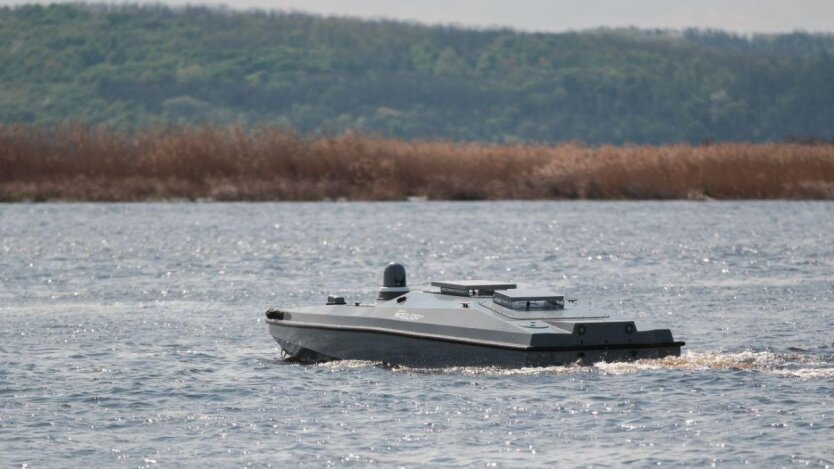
{"points": [[76, 163]]}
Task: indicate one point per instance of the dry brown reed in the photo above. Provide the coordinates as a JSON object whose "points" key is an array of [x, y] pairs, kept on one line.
{"points": [[222, 163]]}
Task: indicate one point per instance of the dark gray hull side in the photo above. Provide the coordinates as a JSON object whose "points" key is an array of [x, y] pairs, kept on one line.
{"points": [[322, 344]]}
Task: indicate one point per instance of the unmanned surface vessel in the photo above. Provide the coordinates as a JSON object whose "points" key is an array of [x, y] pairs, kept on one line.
{"points": [[463, 323]]}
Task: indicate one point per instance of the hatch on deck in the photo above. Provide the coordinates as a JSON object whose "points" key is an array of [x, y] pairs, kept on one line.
{"points": [[471, 287], [529, 299]]}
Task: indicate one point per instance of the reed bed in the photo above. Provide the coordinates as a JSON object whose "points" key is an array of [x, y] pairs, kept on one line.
{"points": [[232, 163]]}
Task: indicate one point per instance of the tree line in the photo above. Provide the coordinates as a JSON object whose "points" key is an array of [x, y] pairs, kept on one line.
{"points": [[138, 67]]}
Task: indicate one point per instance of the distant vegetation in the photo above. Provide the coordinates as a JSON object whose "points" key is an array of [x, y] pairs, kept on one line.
{"points": [[221, 163], [135, 67]]}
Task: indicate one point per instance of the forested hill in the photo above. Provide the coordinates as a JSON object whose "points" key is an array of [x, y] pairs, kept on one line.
{"points": [[131, 67]]}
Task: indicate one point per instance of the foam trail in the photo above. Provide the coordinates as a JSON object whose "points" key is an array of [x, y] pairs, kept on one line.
{"points": [[343, 365], [496, 371], [782, 364], [796, 365]]}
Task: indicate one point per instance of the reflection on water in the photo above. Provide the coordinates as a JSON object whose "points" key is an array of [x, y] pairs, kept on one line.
{"points": [[133, 335]]}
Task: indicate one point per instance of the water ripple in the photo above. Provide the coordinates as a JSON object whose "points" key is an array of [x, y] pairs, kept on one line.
{"points": [[133, 335]]}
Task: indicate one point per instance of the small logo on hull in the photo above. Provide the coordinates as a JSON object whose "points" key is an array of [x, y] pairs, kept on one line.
{"points": [[403, 316]]}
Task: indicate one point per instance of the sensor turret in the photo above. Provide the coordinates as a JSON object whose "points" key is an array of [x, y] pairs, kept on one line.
{"points": [[393, 282]]}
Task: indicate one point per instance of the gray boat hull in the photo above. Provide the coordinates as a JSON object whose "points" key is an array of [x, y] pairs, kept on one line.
{"points": [[315, 344]]}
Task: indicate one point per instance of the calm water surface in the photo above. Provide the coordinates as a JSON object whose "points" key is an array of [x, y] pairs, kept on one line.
{"points": [[133, 335]]}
